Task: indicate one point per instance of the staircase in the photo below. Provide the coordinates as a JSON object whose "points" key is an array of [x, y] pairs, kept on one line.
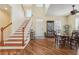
{"points": [[15, 40]]}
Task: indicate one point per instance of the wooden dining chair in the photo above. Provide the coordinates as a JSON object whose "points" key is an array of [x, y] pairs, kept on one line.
{"points": [[66, 40], [74, 40], [58, 40]]}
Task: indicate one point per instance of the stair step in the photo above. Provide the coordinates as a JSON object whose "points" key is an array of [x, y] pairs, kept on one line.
{"points": [[13, 40], [19, 29], [11, 47], [24, 24], [11, 44], [16, 37], [7, 42], [15, 34], [18, 33], [17, 40]]}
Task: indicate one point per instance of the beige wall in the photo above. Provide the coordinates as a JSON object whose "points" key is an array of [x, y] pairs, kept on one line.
{"points": [[71, 22], [4, 20], [39, 12], [56, 18]]}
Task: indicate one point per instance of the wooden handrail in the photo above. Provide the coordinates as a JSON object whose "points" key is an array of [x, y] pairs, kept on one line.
{"points": [[27, 23], [2, 41], [23, 37], [23, 30], [2, 32], [7, 26]]}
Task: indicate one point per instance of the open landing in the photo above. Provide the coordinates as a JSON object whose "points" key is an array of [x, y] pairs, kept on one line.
{"points": [[40, 47]]}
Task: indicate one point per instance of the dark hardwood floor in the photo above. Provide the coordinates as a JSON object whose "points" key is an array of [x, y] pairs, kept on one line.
{"points": [[40, 47]]}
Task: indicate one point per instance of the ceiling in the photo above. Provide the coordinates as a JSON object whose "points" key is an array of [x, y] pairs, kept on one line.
{"points": [[53, 10], [61, 9], [27, 6], [5, 8]]}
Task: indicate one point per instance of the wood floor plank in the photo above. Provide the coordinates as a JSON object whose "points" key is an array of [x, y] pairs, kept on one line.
{"points": [[40, 47]]}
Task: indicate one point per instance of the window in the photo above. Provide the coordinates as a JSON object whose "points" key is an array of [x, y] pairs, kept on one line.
{"points": [[47, 6], [39, 5], [58, 26], [28, 13], [77, 23]]}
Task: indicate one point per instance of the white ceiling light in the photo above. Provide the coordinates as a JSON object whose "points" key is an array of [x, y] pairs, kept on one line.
{"points": [[5, 8]]}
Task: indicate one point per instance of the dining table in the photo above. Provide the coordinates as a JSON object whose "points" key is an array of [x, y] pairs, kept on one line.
{"points": [[63, 40]]}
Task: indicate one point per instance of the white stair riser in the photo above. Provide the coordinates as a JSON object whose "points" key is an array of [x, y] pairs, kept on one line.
{"points": [[14, 38], [19, 32], [16, 35], [12, 42], [12, 47]]}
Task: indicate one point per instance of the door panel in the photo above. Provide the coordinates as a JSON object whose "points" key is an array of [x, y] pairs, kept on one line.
{"points": [[39, 32]]}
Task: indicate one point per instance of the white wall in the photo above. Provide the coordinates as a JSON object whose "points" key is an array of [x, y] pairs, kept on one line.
{"points": [[17, 16], [39, 30]]}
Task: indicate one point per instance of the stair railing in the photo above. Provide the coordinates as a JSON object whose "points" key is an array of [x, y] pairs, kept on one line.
{"points": [[2, 32], [25, 30]]}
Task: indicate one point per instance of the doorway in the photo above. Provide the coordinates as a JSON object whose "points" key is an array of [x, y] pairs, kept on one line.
{"points": [[39, 29]]}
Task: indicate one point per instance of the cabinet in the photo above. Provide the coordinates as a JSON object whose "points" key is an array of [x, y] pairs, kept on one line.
{"points": [[50, 28]]}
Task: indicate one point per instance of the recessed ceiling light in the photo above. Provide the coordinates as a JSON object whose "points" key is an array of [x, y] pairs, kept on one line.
{"points": [[5, 8]]}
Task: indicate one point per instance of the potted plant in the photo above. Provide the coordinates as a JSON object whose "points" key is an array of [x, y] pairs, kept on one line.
{"points": [[66, 29]]}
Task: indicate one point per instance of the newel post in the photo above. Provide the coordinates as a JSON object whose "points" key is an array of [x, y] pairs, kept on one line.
{"points": [[23, 36], [2, 38]]}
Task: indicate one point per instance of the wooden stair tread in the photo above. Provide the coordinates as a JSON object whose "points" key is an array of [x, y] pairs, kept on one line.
{"points": [[18, 33], [13, 40], [11, 44], [15, 36], [19, 30]]}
